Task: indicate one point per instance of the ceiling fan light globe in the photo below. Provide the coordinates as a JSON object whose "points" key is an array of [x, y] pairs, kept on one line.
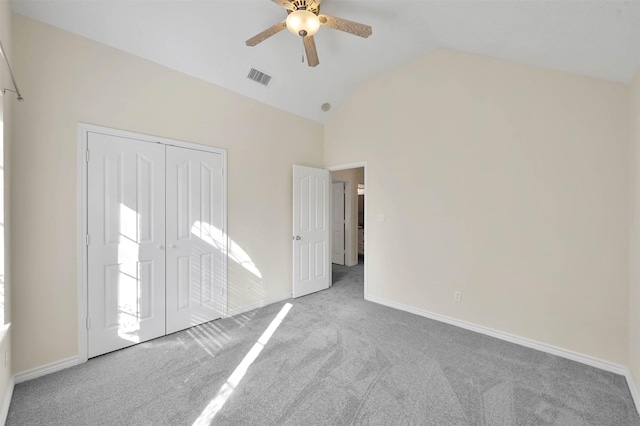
{"points": [[303, 21]]}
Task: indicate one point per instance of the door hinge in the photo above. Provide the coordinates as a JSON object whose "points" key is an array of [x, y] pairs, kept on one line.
{"points": [[88, 239], [88, 323], [221, 172], [87, 156]]}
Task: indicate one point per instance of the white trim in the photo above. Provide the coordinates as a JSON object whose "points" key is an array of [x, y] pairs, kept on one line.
{"points": [[348, 166], [81, 243], [43, 370], [225, 249], [6, 402], [522, 341], [86, 128], [357, 165], [633, 389], [259, 304], [83, 132]]}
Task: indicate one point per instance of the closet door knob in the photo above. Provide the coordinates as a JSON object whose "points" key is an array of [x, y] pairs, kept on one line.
{"points": [[159, 246]]}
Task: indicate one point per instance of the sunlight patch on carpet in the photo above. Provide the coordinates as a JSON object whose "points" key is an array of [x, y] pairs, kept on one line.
{"points": [[232, 382]]}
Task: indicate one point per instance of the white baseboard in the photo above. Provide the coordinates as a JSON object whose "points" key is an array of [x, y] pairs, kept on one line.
{"points": [[634, 389], [74, 360], [259, 304], [45, 369], [6, 402], [522, 341]]}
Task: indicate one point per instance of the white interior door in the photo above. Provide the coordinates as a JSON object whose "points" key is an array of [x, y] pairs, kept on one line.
{"points": [[337, 226], [311, 216], [195, 238], [126, 258]]}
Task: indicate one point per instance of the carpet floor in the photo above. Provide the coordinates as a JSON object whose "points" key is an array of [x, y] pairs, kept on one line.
{"points": [[331, 359]]}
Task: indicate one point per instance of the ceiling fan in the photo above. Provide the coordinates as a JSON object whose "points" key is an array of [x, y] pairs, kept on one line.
{"points": [[304, 19]]}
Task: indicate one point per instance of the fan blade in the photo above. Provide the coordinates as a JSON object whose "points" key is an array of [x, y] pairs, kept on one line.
{"points": [[310, 48], [258, 38], [350, 27], [286, 4]]}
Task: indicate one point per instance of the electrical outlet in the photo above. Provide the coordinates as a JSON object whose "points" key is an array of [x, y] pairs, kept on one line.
{"points": [[380, 217], [457, 296]]}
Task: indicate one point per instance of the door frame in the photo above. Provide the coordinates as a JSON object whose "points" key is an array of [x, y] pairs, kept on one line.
{"points": [[347, 212], [357, 165], [83, 131]]}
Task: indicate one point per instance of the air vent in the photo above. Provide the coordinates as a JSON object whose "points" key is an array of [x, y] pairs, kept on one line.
{"points": [[259, 77]]}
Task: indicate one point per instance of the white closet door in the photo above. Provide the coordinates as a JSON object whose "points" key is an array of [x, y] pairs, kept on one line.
{"points": [[195, 238], [126, 257]]}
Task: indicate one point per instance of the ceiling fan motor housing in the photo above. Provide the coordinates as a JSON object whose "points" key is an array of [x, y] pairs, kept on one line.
{"points": [[302, 5]]}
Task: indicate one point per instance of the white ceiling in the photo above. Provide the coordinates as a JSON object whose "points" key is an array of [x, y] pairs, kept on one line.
{"points": [[206, 38]]}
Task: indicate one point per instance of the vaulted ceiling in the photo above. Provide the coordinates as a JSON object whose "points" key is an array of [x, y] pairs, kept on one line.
{"points": [[206, 39]]}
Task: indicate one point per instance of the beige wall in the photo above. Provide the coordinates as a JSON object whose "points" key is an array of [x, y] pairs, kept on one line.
{"points": [[634, 289], [507, 182], [67, 79], [8, 102], [353, 176]]}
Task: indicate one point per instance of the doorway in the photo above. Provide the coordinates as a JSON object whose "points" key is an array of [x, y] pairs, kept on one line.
{"points": [[338, 224], [355, 224]]}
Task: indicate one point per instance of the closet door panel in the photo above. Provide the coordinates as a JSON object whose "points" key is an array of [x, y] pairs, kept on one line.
{"points": [[126, 258], [195, 237]]}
